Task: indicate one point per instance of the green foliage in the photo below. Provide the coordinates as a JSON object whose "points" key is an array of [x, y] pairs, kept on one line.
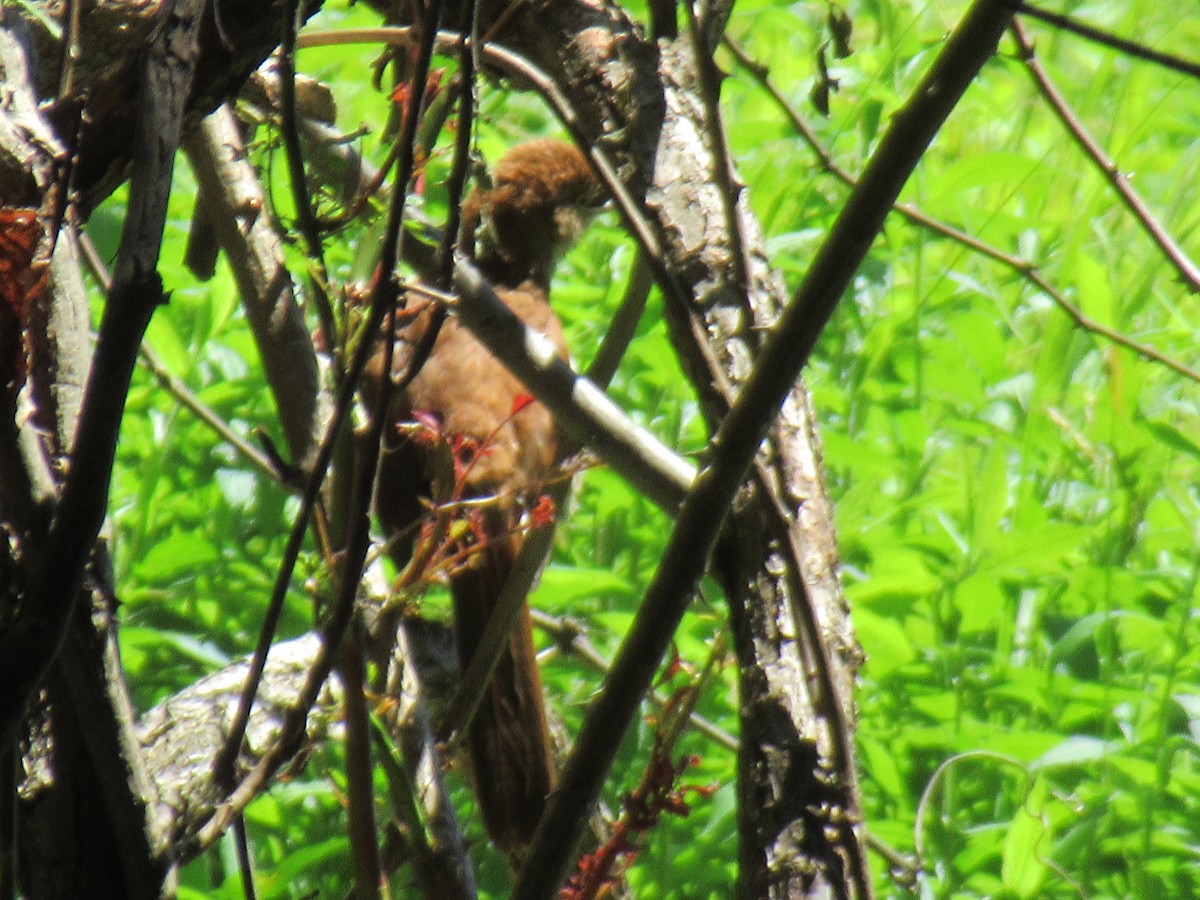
{"points": [[1015, 497]]}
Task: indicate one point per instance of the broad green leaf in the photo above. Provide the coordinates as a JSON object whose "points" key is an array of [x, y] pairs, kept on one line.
{"points": [[164, 339], [879, 761], [1023, 869], [980, 602], [561, 585], [1049, 549], [884, 642], [301, 860], [1169, 435], [177, 555]]}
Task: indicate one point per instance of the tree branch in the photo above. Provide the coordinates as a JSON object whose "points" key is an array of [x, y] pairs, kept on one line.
{"points": [[1186, 269], [237, 209], [580, 408]]}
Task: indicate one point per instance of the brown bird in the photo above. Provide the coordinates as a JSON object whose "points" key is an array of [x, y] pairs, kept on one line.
{"points": [[537, 206]]}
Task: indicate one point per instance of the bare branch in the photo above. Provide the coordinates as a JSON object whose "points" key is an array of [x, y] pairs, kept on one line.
{"points": [[383, 298], [1095, 153], [237, 209], [176, 388], [238, 37], [1092, 33], [579, 407]]}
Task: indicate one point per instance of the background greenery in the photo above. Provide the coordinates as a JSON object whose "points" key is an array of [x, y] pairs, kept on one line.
{"points": [[1017, 500]]}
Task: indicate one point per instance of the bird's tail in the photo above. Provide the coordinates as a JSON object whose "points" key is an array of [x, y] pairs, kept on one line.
{"points": [[508, 739]]}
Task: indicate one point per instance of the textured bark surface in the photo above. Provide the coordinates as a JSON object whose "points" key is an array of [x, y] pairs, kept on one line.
{"points": [[180, 737], [234, 203]]}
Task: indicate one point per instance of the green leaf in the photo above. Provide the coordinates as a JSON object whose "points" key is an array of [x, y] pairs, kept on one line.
{"points": [[204, 652], [562, 585], [1077, 750], [879, 760], [307, 856], [886, 645], [163, 338], [1036, 550], [980, 602], [1170, 436], [176, 555], [1023, 870]]}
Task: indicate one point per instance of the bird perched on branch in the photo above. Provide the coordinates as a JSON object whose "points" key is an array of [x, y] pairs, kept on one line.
{"points": [[501, 448]]}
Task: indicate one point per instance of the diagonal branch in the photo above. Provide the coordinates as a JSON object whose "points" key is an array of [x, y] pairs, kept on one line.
{"points": [[628, 86], [1104, 38], [579, 407], [1112, 173], [237, 209], [383, 298]]}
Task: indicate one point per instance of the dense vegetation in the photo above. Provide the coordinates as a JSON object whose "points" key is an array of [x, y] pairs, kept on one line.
{"points": [[1016, 495]]}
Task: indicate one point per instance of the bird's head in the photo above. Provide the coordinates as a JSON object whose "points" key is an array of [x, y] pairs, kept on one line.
{"points": [[543, 194]]}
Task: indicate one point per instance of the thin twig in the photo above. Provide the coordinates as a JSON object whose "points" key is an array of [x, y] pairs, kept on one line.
{"points": [[1092, 33], [206, 414], [405, 810], [361, 830], [1186, 268], [244, 860], [70, 50], [29, 645], [644, 804], [1112, 173], [569, 637], [462, 148], [454, 188], [441, 862], [306, 219], [623, 325], [237, 211], [223, 762], [383, 298]]}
